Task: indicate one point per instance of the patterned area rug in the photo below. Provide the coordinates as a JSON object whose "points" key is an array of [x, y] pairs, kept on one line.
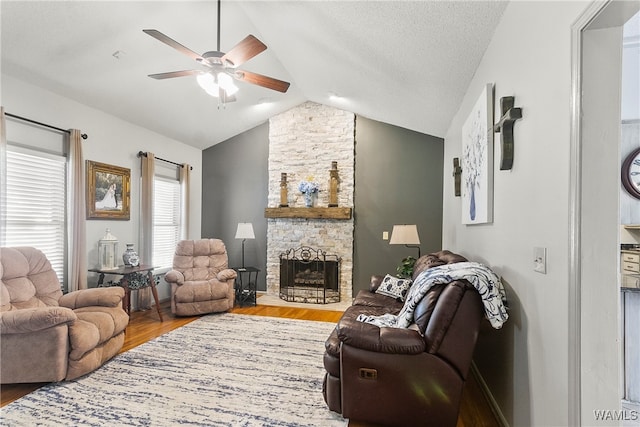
{"points": [[221, 370]]}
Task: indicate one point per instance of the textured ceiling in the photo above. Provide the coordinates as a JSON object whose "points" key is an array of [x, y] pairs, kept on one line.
{"points": [[400, 62]]}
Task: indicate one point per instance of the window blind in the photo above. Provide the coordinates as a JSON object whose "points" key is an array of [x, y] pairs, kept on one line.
{"points": [[36, 204], [166, 221]]}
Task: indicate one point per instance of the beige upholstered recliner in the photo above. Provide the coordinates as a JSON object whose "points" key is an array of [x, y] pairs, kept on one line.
{"points": [[47, 336], [201, 281]]}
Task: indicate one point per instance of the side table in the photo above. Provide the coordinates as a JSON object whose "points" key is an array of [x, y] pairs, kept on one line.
{"points": [[133, 278], [246, 285]]}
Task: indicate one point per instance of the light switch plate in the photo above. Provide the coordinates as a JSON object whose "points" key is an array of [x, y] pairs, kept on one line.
{"points": [[540, 260], [385, 235]]}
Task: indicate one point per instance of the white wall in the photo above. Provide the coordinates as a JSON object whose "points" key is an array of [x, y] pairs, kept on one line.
{"points": [[525, 364], [113, 141]]}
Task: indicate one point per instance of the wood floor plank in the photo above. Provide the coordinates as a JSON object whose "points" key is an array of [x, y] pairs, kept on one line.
{"points": [[145, 326]]}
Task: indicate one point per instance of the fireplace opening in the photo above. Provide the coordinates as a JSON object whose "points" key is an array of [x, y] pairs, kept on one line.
{"points": [[309, 275]]}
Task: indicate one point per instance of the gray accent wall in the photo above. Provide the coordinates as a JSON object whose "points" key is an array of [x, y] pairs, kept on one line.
{"points": [[234, 189], [398, 180]]}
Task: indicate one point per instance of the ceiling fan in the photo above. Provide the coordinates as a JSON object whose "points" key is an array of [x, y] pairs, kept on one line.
{"points": [[221, 69]]}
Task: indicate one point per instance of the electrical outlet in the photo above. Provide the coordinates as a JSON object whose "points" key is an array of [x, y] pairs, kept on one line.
{"points": [[540, 260], [385, 235]]}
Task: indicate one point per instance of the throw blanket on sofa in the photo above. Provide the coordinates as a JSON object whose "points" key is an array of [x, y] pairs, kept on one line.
{"points": [[481, 277]]}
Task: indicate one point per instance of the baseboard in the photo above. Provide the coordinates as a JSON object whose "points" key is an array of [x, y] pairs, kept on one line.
{"points": [[495, 408]]}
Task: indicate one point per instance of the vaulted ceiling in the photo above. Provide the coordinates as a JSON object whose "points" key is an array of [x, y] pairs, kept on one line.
{"points": [[406, 63]]}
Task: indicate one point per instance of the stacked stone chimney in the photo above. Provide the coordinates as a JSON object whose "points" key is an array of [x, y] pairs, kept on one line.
{"points": [[302, 143]]}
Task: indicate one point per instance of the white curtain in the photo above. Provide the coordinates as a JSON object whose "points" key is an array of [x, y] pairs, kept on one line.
{"points": [[185, 178], [77, 222], [146, 222], [3, 175]]}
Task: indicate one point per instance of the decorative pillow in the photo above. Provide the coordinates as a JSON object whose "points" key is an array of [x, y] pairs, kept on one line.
{"points": [[394, 287]]}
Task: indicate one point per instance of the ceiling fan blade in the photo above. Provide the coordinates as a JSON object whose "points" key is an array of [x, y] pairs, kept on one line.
{"points": [[173, 74], [174, 44], [264, 81], [244, 51]]}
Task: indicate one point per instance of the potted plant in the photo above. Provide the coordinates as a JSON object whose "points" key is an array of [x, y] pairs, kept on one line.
{"points": [[405, 269]]}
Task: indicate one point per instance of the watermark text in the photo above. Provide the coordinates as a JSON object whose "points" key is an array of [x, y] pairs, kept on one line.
{"points": [[616, 415]]}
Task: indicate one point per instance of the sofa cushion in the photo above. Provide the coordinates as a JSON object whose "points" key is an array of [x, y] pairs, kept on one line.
{"points": [[434, 260], [382, 340], [205, 290], [115, 319], [394, 287], [372, 299], [200, 259], [28, 280], [95, 326], [369, 310], [424, 310], [84, 336]]}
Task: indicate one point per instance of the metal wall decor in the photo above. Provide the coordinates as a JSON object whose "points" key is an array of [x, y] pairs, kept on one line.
{"points": [[505, 127], [457, 172]]}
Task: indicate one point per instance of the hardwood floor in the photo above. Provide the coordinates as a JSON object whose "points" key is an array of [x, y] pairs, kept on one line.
{"points": [[145, 326]]}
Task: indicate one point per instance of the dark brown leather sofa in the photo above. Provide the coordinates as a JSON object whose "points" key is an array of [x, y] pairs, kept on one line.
{"points": [[404, 377]]}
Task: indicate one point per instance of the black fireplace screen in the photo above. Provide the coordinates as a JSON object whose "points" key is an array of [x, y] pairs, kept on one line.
{"points": [[309, 275]]}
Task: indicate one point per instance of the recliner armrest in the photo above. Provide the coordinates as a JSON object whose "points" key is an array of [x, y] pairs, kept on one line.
{"points": [[383, 340], [103, 297], [174, 276], [34, 319], [227, 274]]}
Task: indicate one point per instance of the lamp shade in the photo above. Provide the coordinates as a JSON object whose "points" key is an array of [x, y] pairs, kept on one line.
{"points": [[404, 235], [245, 231]]}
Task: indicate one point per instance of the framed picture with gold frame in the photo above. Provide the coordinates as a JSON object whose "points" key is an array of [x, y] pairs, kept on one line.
{"points": [[108, 191]]}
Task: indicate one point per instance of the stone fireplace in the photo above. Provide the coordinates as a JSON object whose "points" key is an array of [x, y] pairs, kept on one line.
{"points": [[303, 142]]}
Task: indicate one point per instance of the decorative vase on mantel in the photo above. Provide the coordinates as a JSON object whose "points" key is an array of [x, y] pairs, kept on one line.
{"points": [[308, 199], [309, 188], [130, 256]]}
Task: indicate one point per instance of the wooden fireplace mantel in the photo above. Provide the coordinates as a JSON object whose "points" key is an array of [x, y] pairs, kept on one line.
{"points": [[309, 213]]}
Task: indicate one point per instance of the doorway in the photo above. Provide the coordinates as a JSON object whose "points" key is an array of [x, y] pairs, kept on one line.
{"points": [[595, 356]]}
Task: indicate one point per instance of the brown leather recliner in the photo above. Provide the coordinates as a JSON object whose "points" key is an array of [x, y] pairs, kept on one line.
{"points": [[404, 377]]}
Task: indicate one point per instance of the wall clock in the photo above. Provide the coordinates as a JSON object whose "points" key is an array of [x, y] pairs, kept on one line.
{"points": [[631, 173]]}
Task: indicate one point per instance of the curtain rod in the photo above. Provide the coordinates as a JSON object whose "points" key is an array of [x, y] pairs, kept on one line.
{"points": [[142, 153], [84, 135]]}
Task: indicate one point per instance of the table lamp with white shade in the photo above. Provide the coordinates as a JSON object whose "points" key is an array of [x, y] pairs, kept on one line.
{"points": [[244, 232], [405, 235]]}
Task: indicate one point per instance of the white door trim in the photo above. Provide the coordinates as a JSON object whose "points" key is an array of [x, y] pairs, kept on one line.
{"points": [[575, 214]]}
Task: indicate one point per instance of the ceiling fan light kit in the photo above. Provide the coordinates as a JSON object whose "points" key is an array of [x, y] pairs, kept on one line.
{"points": [[217, 80], [213, 85]]}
